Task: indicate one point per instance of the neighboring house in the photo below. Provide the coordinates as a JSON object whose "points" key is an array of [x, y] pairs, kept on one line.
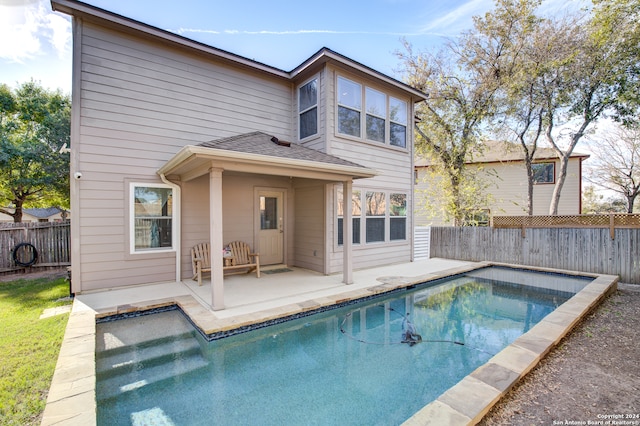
{"points": [[177, 143], [51, 214], [502, 167]]}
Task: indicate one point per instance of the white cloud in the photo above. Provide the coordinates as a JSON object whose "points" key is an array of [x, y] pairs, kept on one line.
{"points": [[459, 18], [29, 29]]}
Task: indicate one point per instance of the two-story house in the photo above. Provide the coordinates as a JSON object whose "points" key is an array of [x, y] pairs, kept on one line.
{"points": [[174, 143], [501, 168]]}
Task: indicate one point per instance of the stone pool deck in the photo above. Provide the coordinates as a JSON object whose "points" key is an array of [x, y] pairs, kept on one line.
{"points": [[248, 301]]}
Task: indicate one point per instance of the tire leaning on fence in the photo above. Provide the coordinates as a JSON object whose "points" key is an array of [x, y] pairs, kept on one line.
{"points": [[25, 254]]}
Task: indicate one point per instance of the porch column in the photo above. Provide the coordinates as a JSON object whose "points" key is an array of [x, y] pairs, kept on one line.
{"points": [[215, 237], [347, 231]]}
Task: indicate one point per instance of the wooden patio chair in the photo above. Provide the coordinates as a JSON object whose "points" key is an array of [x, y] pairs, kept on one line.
{"points": [[200, 261], [241, 258]]}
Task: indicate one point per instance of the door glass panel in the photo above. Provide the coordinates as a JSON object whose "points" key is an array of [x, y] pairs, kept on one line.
{"points": [[268, 212]]}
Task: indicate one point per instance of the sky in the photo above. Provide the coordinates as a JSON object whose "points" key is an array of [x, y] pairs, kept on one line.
{"points": [[36, 42]]}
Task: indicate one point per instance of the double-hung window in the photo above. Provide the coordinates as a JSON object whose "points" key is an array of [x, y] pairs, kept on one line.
{"points": [[397, 216], [349, 107], [398, 126], [375, 218], [308, 108], [151, 217], [356, 213], [376, 113]]}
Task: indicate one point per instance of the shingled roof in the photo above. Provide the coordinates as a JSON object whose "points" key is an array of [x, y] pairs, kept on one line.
{"points": [[263, 144]]}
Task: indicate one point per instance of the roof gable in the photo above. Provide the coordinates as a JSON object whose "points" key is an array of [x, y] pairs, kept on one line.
{"points": [[259, 143], [122, 23], [500, 151]]}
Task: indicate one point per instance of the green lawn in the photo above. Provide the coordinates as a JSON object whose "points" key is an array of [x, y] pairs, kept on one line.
{"points": [[29, 346]]}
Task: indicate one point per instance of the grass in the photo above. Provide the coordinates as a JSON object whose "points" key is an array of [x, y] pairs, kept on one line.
{"points": [[29, 346]]}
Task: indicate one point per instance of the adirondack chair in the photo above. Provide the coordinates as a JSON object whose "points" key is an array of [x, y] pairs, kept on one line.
{"points": [[241, 258]]}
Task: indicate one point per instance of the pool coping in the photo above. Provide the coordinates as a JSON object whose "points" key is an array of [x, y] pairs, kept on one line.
{"points": [[72, 395]]}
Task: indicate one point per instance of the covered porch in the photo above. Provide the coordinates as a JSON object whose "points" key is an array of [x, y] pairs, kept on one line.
{"points": [[223, 187], [258, 299]]}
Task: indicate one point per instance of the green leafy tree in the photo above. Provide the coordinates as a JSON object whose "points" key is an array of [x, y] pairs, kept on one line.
{"points": [[461, 92], [34, 125], [618, 22]]}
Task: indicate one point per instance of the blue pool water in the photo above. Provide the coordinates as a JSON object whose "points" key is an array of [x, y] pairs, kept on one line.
{"points": [[345, 366]]}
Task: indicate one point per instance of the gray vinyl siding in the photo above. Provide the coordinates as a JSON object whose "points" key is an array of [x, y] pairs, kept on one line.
{"points": [[309, 243], [395, 167], [508, 187], [141, 102]]}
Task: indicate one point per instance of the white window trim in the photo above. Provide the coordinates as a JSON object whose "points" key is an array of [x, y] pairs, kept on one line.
{"points": [[132, 224]]}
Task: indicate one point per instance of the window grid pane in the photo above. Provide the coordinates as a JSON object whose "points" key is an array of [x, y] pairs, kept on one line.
{"points": [[398, 111], [375, 229], [398, 228], [376, 103], [309, 123], [376, 204], [349, 94], [348, 121], [398, 135], [308, 95], [375, 128]]}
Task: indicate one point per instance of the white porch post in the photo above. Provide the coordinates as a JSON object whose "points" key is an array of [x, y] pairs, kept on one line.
{"points": [[347, 232], [215, 237]]}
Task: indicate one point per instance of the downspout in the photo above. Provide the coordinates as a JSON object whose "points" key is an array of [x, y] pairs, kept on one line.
{"points": [[177, 208]]}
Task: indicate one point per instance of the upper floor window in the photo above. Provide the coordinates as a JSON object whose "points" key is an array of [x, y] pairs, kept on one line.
{"points": [[398, 127], [385, 116], [376, 114], [349, 107], [544, 172], [151, 217], [308, 108]]}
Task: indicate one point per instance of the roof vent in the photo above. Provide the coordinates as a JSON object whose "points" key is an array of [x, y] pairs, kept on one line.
{"points": [[279, 142]]}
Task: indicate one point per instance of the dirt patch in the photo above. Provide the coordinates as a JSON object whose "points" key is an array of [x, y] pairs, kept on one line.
{"points": [[592, 375]]}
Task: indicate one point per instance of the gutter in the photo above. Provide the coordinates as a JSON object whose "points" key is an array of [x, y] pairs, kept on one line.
{"points": [[177, 206], [248, 158]]}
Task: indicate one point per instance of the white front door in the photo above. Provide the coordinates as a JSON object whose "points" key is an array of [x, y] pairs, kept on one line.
{"points": [[271, 227]]}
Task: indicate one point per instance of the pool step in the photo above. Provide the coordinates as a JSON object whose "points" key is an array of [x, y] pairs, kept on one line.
{"points": [[125, 359], [125, 369]]}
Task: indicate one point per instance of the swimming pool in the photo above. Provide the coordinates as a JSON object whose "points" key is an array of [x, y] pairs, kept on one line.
{"points": [[346, 365]]}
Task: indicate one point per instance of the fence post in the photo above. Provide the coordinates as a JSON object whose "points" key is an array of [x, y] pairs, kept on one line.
{"points": [[612, 228]]}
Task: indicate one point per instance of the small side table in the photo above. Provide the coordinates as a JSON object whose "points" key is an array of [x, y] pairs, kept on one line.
{"points": [[228, 261]]}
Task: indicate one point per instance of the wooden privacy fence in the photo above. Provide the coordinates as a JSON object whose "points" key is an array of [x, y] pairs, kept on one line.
{"points": [[611, 221], [577, 249], [51, 240]]}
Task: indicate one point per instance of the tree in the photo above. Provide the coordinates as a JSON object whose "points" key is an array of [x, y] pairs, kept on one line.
{"points": [[525, 53], [615, 164], [622, 18], [461, 92], [595, 203], [34, 125]]}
